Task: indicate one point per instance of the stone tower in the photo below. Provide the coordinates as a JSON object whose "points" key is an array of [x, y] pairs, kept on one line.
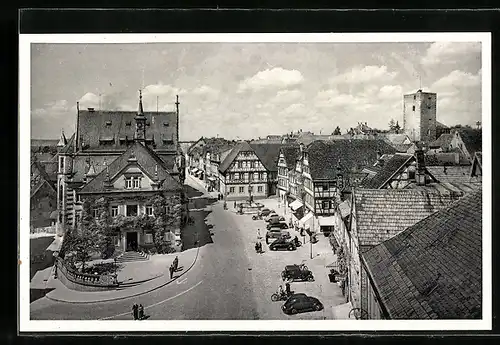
{"points": [[419, 116]]}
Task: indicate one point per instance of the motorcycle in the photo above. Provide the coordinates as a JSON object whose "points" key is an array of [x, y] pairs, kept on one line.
{"points": [[257, 216], [297, 242], [280, 296]]}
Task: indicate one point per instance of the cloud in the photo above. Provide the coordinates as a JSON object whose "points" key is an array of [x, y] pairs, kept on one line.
{"points": [[390, 92], [287, 96], [205, 90], [449, 52], [364, 74], [272, 78], [332, 99], [457, 79]]}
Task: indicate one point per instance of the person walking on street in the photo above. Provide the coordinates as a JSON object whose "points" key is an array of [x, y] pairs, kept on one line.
{"points": [[235, 204], [259, 236], [171, 269], [287, 288], [141, 312], [135, 311], [176, 263]]}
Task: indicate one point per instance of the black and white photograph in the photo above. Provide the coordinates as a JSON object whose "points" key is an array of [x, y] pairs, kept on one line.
{"points": [[255, 182]]}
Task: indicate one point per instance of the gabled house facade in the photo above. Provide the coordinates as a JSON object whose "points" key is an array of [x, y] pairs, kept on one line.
{"points": [[287, 187], [129, 183], [242, 174]]}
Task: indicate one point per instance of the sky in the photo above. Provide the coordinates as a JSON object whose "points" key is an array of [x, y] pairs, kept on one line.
{"points": [[250, 90]]}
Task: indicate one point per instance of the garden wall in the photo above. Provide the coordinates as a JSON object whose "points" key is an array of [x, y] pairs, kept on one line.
{"points": [[83, 282]]}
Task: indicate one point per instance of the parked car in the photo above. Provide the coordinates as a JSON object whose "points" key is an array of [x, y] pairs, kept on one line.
{"points": [[273, 217], [266, 212], [299, 303], [274, 233], [282, 243], [297, 272], [280, 224]]}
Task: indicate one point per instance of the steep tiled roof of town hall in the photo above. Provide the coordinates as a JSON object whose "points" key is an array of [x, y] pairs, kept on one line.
{"points": [[444, 141], [432, 270], [119, 125], [384, 213], [353, 154], [146, 159]]}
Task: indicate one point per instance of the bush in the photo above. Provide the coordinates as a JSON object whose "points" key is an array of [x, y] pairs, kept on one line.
{"points": [[108, 248]]}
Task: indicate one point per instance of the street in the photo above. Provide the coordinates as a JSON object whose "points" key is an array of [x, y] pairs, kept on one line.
{"points": [[228, 281]]}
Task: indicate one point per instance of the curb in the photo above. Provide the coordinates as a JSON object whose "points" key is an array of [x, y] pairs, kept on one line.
{"points": [[129, 296]]}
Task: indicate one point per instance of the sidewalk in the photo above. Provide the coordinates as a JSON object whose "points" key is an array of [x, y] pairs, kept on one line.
{"points": [[197, 184], [63, 294]]}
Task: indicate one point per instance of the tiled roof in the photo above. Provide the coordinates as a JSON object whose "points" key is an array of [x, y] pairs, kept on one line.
{"points": [[268, 155], [185, 146], [389, 169], [38, 169], [446, 158], [353, 155], [226, 162], [217, 145], [451, 173], [118, 125], [432, 270], [444, 141], [402, 147], [456, 187], [69, 148], [441, 125], [291, 154], [146, 159], [472, 138], [384, 213]]}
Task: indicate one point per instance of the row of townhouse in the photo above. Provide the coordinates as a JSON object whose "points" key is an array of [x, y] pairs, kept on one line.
{"points": [[311, 178], [392, 226]]}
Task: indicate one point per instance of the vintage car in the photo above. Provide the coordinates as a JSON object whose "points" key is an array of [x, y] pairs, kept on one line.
{"points": [[299, 303], [282, 243], [265, 212], [276, 233], [273, 217], [297, 272], [278, 224]]}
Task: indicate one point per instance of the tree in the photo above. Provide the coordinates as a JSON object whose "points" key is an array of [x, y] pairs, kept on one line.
{"points": [[392, 124], [159, 226], [397, 128], [337, 131], [85, 239]]}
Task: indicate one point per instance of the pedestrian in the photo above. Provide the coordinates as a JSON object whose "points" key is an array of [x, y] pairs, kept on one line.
{"points": [[141, 312], [171, 269], [287, 288], [235, 204], [176, 263], [135, 311], [258, 234]]}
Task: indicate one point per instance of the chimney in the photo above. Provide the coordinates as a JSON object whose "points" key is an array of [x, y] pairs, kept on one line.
{"points": [[420, 169]]}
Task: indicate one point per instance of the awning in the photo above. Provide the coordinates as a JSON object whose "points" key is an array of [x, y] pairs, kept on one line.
{"points": [[345, 209], [326, 221], [305, 219], [296, 205]]}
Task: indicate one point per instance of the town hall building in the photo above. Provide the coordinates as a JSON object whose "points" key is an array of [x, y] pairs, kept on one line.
{"points": [[126, 157]]}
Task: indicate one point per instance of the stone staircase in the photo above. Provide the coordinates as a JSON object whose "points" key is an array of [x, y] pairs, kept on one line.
{"points": [[132, 256]]}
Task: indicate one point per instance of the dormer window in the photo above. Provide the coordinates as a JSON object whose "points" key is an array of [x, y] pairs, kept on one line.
{"points": [[128, 123], [133, 182], [166, 124], [108, 123]]}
